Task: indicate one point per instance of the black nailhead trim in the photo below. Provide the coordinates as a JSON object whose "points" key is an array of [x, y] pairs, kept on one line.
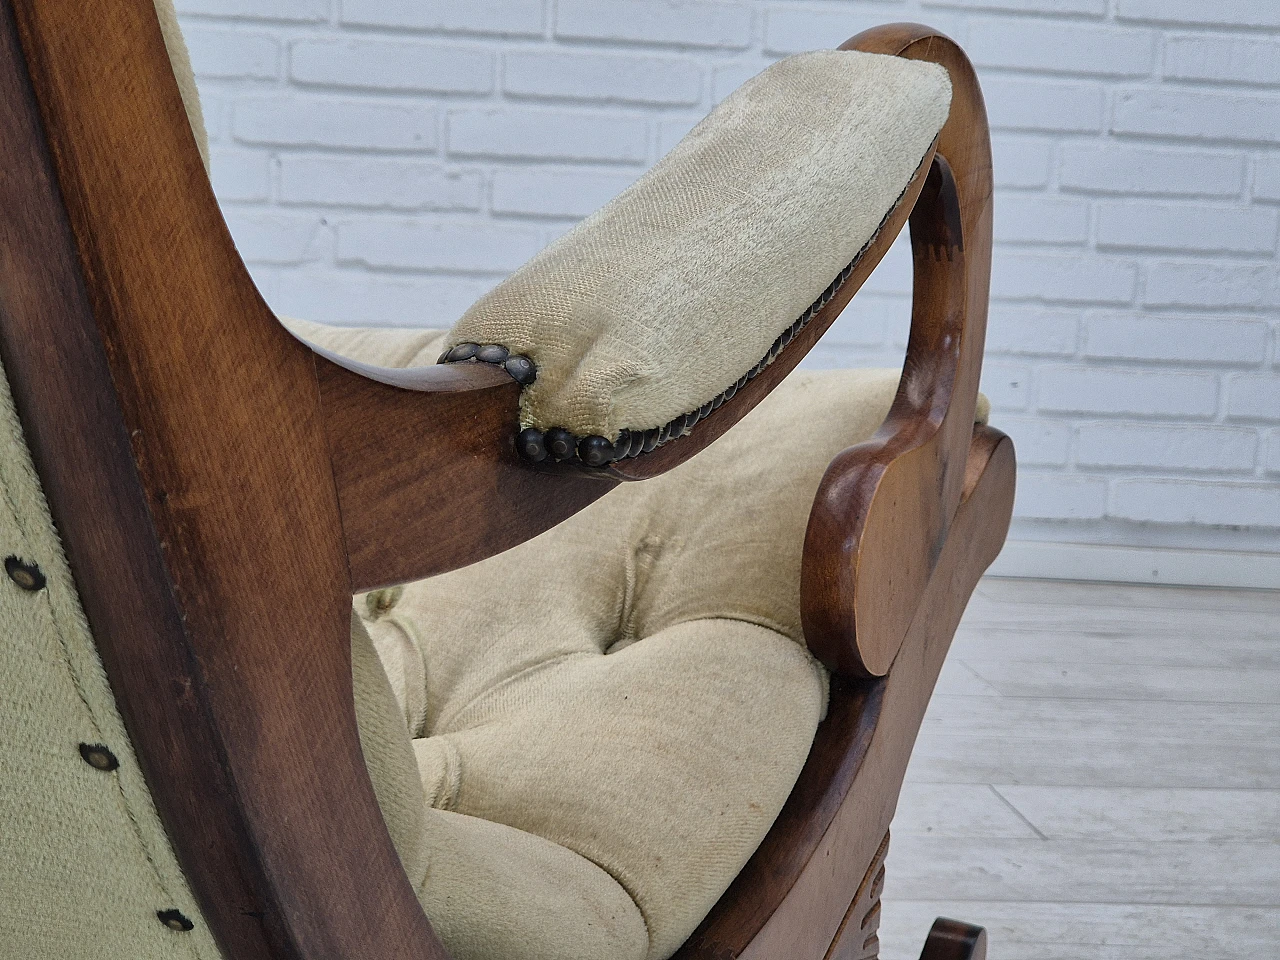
{"points": [[531, 445], [521, 369], [26, 575], [622, 445], [492, 353], [463, 351], [650, 440], [742, 381], [560, 443], [637, 444], [728, 394], [595, 451], [705, 410], [444, 357], [98, 757], [174, 920]]}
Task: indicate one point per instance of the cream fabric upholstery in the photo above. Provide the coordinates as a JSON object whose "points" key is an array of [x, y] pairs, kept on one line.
{"points": [[85, 864], [630, 690], [669, 294], [84, 861]]}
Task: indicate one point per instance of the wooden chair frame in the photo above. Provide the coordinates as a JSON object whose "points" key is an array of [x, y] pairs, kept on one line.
{"points": [[221, 492]]}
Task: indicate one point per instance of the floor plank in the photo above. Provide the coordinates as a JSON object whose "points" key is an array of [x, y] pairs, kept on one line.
{"points": [[964, 810], [1007, 591], [1148, 814], [1114, 681], [1084, 871], [1098, 777], [1062, 719], [1125, 621], [1054, 931], [1171, 649], [1095, 763]]}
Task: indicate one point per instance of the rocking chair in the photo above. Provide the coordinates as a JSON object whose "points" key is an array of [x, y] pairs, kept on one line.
{"points": [[570, 717]]}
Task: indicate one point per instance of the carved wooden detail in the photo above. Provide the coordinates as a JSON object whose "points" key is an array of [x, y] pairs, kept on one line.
{"points": [[858, 937]]}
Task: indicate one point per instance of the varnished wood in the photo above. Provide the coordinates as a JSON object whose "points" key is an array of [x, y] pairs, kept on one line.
{"points": [[434, 484], [176, 430], [882, 513], [954, 940], [395, 442]]}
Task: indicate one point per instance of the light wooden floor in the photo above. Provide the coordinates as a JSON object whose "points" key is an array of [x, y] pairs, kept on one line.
{"points": [[1098, 778]]}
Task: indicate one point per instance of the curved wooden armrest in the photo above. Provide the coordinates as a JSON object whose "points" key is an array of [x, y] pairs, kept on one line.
{"points": [[884, 507], [397, 438]]}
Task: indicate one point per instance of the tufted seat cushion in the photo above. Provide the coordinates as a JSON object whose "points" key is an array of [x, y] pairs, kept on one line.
{"points": [[662, 299], [607, 719]]}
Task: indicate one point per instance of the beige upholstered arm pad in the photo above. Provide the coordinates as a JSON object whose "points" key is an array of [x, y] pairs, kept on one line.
{"points": [[690, 280]]}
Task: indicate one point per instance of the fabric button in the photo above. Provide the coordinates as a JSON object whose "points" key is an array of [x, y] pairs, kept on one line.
{"points": [[98, 757], [379, 603], [175, 920], [26, 575]]}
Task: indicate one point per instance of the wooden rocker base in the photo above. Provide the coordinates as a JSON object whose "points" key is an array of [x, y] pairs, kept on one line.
{"points": [[955, 940]]}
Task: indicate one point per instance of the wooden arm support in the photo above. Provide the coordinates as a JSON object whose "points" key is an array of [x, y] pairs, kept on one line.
{"points": [[884, 507], [397, 437], [431, 481], [790, 898]]}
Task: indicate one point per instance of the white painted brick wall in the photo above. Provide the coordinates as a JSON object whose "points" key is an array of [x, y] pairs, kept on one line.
{"points": [[386, 161]]}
